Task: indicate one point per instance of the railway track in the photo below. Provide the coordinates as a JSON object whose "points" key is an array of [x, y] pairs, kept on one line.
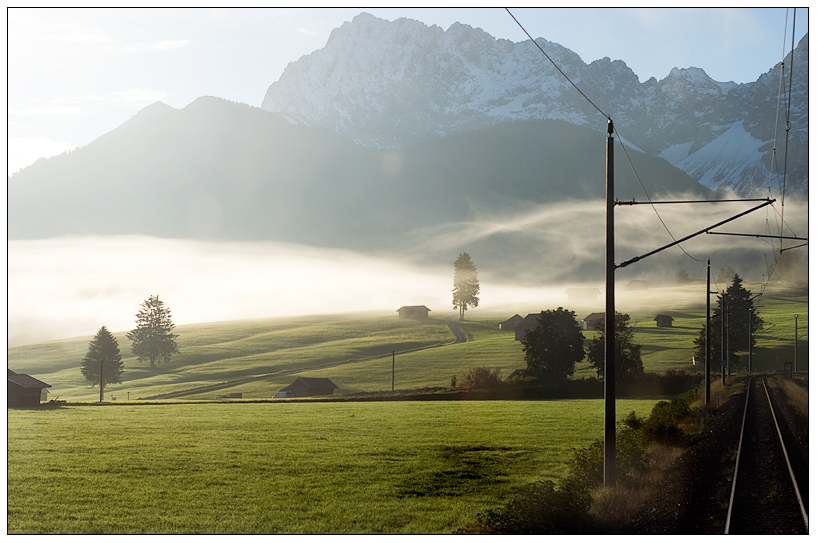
{"points": [[770, 481]]}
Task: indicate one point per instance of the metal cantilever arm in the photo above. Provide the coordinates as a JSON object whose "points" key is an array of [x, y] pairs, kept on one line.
{"points": [[636, 259]]}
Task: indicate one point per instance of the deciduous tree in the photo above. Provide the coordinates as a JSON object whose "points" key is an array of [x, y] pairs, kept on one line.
{"points": [[628, 354], [554, 345], [153, 338], [466, 284]]}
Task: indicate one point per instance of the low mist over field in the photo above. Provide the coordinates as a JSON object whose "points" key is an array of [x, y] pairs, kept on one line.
{"points": [[65, 287]]}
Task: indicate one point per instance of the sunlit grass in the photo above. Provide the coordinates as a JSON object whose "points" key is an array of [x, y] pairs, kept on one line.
{"points": [[385, 467], [355, 350]]}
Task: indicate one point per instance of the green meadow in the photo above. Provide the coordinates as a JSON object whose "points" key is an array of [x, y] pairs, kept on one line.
{"points": [[251, 466], [259, 357], [279, 467]]}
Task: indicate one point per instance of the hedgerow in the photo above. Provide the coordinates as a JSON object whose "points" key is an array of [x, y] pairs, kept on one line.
{"points": [[564, 507]]}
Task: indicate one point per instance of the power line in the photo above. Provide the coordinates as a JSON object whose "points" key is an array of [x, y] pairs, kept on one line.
{"points": [[620, 139], [555, 65]]}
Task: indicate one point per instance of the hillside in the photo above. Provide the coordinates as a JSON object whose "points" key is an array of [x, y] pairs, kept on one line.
{"points": [[259, 357], [226, 171]]}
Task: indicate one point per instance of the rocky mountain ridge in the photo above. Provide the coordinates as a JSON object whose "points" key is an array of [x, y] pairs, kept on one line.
{"points": [[392, 84]]}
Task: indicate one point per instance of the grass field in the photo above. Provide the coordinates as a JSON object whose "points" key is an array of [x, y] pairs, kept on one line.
{"points": [[355, 350], [384, 467]]}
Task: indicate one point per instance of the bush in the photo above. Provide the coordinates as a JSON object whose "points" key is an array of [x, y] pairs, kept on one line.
{"points": [[565, 508], [664, 424], [544, 508], [479, 379]]}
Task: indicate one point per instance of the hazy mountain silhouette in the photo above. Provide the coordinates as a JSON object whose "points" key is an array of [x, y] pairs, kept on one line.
{"points": [[228, 171]]}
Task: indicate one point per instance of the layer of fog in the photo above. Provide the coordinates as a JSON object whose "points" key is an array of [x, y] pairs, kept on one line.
{"points": [[68, 287], [564, 243]]}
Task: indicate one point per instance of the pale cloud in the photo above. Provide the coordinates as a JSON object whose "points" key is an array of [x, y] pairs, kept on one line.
{"points": [[167, 45], [139, 97], [52, 110], [302, 30]]}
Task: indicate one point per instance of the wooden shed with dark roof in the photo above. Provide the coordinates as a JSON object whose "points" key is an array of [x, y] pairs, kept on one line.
{"points": [[663, 321], [511, 323], [413, 312], [310, 386], [524, 325], [24, 390], [592, 321]]}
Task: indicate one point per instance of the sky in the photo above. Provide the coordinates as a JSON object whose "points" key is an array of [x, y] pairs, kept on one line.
{"points": [[76, 74]]}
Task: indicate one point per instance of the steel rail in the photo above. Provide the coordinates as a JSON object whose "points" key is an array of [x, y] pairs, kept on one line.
{"points": [[786, 456], [737, 458]]}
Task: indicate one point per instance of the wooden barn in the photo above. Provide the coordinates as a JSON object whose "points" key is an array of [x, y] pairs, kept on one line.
{"points": [[636, 285], [663, 321], [592, 321], [582, 295], [413, 312], [309, 386], [511, 323], [25, 391], [524, 325]]}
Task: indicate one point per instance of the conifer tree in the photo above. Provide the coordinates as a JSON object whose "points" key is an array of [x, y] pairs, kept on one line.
{"points": [[103, 356], [739, 306], [466, 284], [153, 338]]}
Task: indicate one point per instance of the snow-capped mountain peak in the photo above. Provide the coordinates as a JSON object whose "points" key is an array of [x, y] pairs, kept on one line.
{"points": [[388, 84]]}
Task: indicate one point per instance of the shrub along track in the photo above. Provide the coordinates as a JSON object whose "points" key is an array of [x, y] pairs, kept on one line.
{"points": [[459, 337]]}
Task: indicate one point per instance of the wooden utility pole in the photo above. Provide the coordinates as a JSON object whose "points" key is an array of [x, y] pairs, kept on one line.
{"points": [[728, 333], [610, 327], [750, 341], [101, 383], [795, 343], [723, 340], [707, 357], [392, 371]]}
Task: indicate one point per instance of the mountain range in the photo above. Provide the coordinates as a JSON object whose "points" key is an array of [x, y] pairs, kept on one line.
{"points": [[396, 133], [388, 84]]}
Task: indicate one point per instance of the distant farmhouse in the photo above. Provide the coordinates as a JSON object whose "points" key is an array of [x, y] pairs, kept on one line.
{"points": [[524, 325], [637, 284], [663, 321], [511, 323], [582, 295], [592, 321], [25, 391], [308, 386], [413, 312]]}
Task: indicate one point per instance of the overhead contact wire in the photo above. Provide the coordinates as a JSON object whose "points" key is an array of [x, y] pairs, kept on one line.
{"points": [[556, 65], [614, 129]]}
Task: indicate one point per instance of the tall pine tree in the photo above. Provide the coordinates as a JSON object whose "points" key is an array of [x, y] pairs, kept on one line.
{"points": [[153, 338], [738, 305], [466, 284], [103, 363]]}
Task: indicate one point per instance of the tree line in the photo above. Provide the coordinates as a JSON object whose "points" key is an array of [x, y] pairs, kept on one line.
{"points": [[152, 339], [555, 344]]}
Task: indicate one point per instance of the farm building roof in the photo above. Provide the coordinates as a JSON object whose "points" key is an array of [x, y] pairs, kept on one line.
{"points": [[312, 382], [26, 381]]}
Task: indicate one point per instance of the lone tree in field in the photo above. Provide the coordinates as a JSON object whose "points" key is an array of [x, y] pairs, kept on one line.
{"points": [[628, 354], [466, 284], [554, 345], [103, 356], [738, 304], [153, 338]]}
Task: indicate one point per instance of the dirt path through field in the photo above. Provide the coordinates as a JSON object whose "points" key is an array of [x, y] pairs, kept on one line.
{"points": [[458, 333]]}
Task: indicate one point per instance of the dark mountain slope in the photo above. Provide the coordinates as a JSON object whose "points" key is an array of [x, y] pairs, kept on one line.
{"points": [[220, 170]]}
